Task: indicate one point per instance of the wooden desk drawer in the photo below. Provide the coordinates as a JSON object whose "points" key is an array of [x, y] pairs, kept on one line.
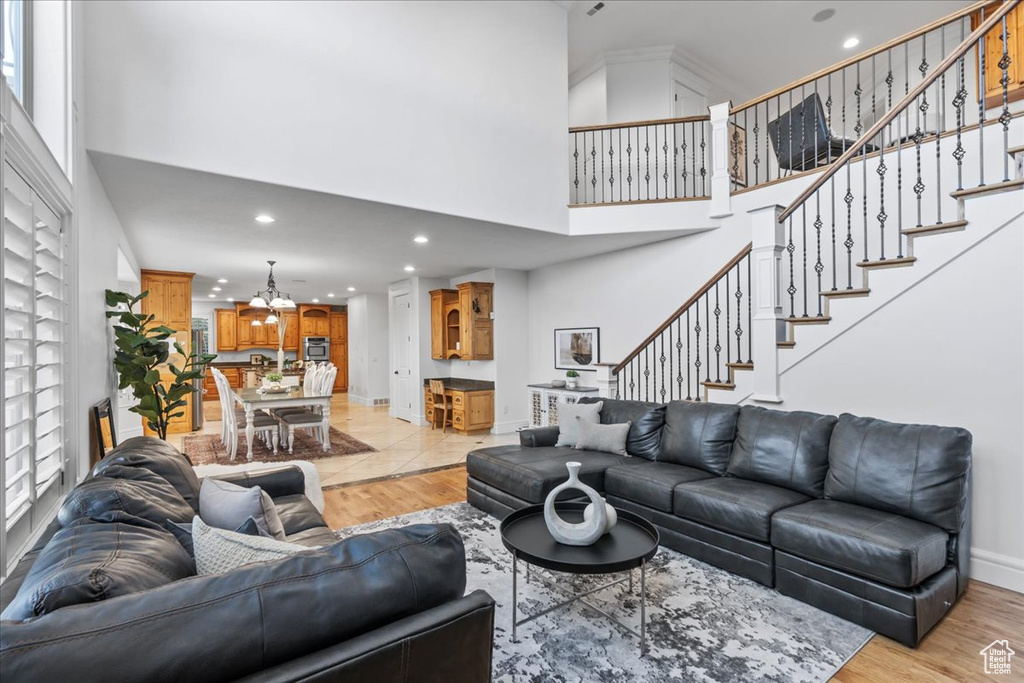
{"points": [[459, 419], [458, 400]]}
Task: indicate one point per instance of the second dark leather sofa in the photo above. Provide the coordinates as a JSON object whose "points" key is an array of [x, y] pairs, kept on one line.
{"points": [[863, 518]]}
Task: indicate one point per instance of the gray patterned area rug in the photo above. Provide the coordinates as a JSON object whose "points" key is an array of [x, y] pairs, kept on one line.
{"points": [[704, 624]]}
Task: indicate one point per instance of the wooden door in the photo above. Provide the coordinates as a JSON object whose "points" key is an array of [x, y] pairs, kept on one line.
{"points": [[437, 325], [271, 334], [291, 331], [466, 322], [322, 326], [483, 341], [227, 330]]}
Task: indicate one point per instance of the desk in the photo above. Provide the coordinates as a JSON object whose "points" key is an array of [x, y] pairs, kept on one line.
{"points": [[472, 403]]}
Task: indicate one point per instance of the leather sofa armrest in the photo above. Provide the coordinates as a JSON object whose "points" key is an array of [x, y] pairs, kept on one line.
{"points": [[541, 436], [276, 481], [407, 650]]}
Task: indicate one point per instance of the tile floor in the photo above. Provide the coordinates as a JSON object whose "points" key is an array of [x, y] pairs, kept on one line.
{"points": [[401, 446]]}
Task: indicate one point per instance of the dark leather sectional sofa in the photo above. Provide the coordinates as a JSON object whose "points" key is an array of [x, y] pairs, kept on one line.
{"points": [[867, 519], [379, 607]]}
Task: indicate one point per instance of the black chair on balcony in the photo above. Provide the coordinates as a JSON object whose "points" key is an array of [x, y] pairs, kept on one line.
{"points": [[802, 139]]}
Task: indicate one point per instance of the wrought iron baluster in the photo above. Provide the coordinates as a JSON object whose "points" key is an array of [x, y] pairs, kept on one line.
{"points": [[848, 243], [757, 149], [857, 93], [750, 314], [1004, 81], [899, 187], [620, 164], [803, 131], [647, 157], [791, 290], [683, 148], [703, 162], [864, 186], [735, 152], [671, 366], [647, 373], [958, 101], [707, 337], [832, 190], [819, 267], [981, 104], [611, 168], [584, 167], [593, 165], [803, 251], [882, 216], [676, 127], [656, 189], [662, 359], [576, 159], [664, 150], [696, 363], [728, 322], [718, 337], [889, 80], [632, 377], [603, 175], [940, 123], [739, 318], [679, 355], [790, 140], [746, 161], [918, 136], [629, 165]]}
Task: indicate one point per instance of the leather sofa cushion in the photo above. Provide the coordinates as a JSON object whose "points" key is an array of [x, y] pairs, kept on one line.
{"points": [[873, 544], [531, 473], [918, 471], [699, 435], [783, 449], [647, 420], [297, 514], [651, 484], [88, 561], [223, 627], [740, 507], [135, 491], [318, 535], [159, 457]]}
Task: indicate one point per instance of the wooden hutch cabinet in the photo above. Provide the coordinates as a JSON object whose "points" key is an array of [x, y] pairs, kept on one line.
{"points": [[993, 47], [170, 302], [461, 326]]}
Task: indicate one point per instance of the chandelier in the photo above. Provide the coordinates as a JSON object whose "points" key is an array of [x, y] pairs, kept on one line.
{"points": [[271, 298]]}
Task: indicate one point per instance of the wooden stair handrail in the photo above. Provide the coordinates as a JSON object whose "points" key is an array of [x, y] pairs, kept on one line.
{"points": [[898, 108], [682, 309], [867, 54], [640, 124]]}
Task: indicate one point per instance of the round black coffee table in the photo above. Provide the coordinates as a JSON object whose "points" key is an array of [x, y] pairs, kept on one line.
{"points": [[630, 544]]}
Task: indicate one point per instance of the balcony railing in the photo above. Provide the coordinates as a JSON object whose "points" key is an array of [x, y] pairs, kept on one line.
{"points": [[643, 161]]}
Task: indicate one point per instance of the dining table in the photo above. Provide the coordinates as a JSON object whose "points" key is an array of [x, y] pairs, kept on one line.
{"points": [[253, 399]]}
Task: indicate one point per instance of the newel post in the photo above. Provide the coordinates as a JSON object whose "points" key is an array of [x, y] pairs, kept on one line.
{"points": [[721, 181], [768, 242], [607, 381]]}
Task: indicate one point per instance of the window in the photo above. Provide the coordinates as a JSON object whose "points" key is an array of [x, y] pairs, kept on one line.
{"points": [[16, 48], [33, 341]]}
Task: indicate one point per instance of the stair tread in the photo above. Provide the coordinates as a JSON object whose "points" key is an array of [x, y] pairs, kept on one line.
{"points": [[840, 293], [810, 320], [887, 263], [993, 187], [1015, 150], [740, 366], [934, 227], [718, 385], [786, 344]]}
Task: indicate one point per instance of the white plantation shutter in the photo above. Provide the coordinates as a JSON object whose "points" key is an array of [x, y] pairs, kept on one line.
{"points": [[34, 355]]}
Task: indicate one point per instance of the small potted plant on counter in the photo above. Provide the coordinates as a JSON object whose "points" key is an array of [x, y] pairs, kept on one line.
{"points": [[571, 377]]}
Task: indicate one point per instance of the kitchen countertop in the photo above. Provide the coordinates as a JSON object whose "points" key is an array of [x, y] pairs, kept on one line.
{"points": [[458, 384], [578, 389]]}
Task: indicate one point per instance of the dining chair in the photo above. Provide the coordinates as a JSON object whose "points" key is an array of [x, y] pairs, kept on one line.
{"points": [[234, 421], [442, 402], [306, 418], [310, 385]]}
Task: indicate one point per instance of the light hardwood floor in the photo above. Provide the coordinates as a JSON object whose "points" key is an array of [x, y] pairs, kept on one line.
{"points": [[949, 653]]}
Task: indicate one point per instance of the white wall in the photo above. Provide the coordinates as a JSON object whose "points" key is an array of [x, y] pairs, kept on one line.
{"points": [[368, 377], [640, 90], [588, 100], [333, 96]]}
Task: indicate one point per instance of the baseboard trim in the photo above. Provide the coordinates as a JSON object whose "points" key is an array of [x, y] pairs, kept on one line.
{"points": [[368, 402], [509, 427], [999, 570]]}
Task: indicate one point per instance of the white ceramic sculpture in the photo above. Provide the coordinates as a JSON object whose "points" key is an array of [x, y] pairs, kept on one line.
{"points": [[588, 531], [613, 517]]}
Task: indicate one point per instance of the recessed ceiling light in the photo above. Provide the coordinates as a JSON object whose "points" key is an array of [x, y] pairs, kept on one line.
{"points": [[264, 218], [351, 289], [222, 280], [212, 296], [231, 298], [851, 43], [409, 269], [420, 239], [330, 295], [316, 301], [216, 289]]}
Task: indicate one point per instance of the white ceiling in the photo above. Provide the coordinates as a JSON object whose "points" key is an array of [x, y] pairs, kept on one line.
{"points": [[754, 46], [180, 219]]}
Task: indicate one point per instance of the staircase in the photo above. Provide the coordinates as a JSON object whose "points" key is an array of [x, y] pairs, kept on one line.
{"points": [[893, 209]]}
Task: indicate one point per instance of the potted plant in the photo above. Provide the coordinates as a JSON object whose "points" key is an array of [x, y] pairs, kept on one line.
{"points": [[272, 381], [141, 350], [571, 377]]}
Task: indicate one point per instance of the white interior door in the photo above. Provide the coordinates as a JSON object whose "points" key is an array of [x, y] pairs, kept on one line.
{"points": [[402, 377]]}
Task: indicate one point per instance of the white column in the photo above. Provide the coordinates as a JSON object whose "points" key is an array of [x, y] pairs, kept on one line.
{"points": [[768, 325], [721, 204], [607, 381]]}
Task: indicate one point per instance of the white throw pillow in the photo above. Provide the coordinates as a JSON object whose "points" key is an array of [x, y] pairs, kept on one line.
{"points": [[218, 551], [226, 506], [569, 417], [603, 438]]}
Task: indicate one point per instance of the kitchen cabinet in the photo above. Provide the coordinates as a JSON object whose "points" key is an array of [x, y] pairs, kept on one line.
{"points": [[314, 321], [291, 330], [472, 410], [227, 329], [460, 322], [546, 399], [993, 47], [170, 303], [338, 324]]}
